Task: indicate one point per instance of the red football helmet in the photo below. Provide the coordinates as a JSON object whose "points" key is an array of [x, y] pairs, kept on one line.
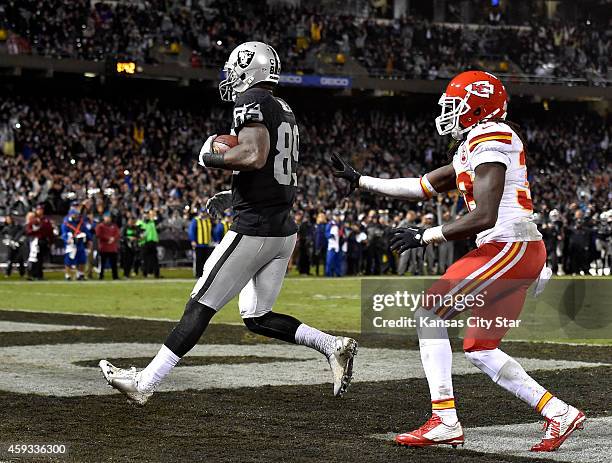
{"points": [[471, 97]]}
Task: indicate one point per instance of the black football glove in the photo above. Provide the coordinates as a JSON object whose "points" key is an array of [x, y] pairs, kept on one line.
{"points": [[342, 169], [403, 239]]}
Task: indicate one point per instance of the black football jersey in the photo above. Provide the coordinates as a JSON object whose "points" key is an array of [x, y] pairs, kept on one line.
{"points": [[262, 199]]}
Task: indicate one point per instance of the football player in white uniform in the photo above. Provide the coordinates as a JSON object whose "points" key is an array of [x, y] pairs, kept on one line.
{"points": [[489, 169]]}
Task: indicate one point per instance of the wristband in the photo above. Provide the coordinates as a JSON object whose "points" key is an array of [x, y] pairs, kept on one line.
{"points": [[212, 159], [433, 235], [428, 189]]}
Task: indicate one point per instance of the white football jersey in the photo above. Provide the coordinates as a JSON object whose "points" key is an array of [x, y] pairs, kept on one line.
{"points": [[497, 142]]}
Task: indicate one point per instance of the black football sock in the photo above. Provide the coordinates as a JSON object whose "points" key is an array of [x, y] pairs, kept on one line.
{"points": [[190, 328], [274, 325]]}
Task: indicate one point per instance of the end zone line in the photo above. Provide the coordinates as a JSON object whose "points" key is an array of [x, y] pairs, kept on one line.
{"points": [[100, 315], [173, 320]]}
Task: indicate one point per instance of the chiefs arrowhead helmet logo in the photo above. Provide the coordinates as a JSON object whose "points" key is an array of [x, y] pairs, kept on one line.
{"points": [[482, 88], [245, 57]]}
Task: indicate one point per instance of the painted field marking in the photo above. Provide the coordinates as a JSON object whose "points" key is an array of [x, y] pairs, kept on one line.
{"points": [[22, 327], [51, 369]]}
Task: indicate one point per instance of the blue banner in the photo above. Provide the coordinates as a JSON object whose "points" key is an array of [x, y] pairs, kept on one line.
{"points": [[313, 81], [316, 81]]}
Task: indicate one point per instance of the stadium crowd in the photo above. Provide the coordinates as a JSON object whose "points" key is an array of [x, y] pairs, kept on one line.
{"points": [[412, 47], [420, 49], [82, 157]]}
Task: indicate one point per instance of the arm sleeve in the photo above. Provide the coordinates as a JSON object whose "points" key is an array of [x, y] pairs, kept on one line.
{"points": [[404, 188]]}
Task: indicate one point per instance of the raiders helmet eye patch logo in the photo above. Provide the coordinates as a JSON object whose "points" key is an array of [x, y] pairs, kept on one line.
{"points": [[245, 57]]}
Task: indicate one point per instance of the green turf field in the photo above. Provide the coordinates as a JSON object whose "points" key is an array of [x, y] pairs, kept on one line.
{"points": [[333, 304]]}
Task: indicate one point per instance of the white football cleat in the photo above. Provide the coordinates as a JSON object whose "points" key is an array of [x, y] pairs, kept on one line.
{"points": [[558, 428], [125, 381], [341, 364], [434, 432]]}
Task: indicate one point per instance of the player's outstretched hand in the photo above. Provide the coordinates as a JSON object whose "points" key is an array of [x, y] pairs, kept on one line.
{"points": [[206, 148], [216, 205], [403, 239], [342, 169]]}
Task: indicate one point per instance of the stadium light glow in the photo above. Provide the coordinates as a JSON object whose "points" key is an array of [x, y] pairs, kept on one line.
{"points": [[127, 67]]}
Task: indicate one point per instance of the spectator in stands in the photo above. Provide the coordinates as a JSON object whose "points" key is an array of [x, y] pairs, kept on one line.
{"points": [[412, 47], [109, 236]]}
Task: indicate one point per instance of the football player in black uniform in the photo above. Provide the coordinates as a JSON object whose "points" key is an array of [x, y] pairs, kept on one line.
{"points": [[252, 258]]}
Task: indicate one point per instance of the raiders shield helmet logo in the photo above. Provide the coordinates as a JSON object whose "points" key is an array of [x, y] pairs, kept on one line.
{"points": [[245, 57]]}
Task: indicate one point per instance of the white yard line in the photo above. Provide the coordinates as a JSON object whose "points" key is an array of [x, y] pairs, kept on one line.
{"points": [[153, 319], [53, 370], [23, 327]]}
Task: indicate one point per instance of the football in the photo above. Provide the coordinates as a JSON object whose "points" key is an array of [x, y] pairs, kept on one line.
{"points": [[224, 143]]}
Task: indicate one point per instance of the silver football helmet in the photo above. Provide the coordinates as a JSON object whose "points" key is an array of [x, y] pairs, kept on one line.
{"points": [[249, 63]]}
